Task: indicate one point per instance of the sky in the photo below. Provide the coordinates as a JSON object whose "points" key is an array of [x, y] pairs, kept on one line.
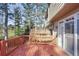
{"points": [[12, 7]]}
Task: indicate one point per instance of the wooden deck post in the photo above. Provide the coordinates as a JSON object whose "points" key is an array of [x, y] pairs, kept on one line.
{"points": [[3, 48]]}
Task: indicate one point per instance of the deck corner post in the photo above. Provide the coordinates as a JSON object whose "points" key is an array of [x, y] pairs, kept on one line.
{"points": [[3, 48]]}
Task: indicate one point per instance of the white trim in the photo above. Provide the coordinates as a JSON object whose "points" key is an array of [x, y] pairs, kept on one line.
{"points": [[76, 16], [60, 44], [58, 34], [75, 35], [64, 34]]}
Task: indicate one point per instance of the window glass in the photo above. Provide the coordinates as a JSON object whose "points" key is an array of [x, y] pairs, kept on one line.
{"points": [[78, 36], [69, 37]]}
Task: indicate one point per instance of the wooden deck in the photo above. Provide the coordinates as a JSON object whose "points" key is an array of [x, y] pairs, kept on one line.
{"points": [[34, 49], [38, 50]]}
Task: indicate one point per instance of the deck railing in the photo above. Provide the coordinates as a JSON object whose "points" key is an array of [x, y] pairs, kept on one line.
{"points": [[7, 46]]}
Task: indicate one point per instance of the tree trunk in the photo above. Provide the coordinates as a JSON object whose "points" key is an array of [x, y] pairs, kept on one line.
{"points": [[5, 22]]}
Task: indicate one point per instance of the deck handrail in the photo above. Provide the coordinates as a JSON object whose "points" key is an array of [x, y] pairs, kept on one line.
{"points": [[7, 46]]}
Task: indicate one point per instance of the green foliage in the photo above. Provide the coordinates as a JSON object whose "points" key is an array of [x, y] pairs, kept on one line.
{"points": [[17, 14]]}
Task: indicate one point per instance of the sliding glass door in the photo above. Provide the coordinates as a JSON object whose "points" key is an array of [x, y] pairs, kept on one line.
{"points": [[69, 36]]}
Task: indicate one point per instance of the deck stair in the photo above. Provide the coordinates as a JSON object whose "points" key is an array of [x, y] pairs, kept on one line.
{"points": [[40, 35]]}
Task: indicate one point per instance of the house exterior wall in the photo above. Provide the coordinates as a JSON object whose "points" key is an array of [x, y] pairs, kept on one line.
{"points": [[55, 32], [73, 13], [53, 9]]}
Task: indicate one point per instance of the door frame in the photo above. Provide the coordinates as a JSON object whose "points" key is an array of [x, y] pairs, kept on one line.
{"points": [[59, 40]]}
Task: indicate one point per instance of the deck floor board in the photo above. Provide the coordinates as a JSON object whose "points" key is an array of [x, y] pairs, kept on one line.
{"points": [[34, 50]]}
